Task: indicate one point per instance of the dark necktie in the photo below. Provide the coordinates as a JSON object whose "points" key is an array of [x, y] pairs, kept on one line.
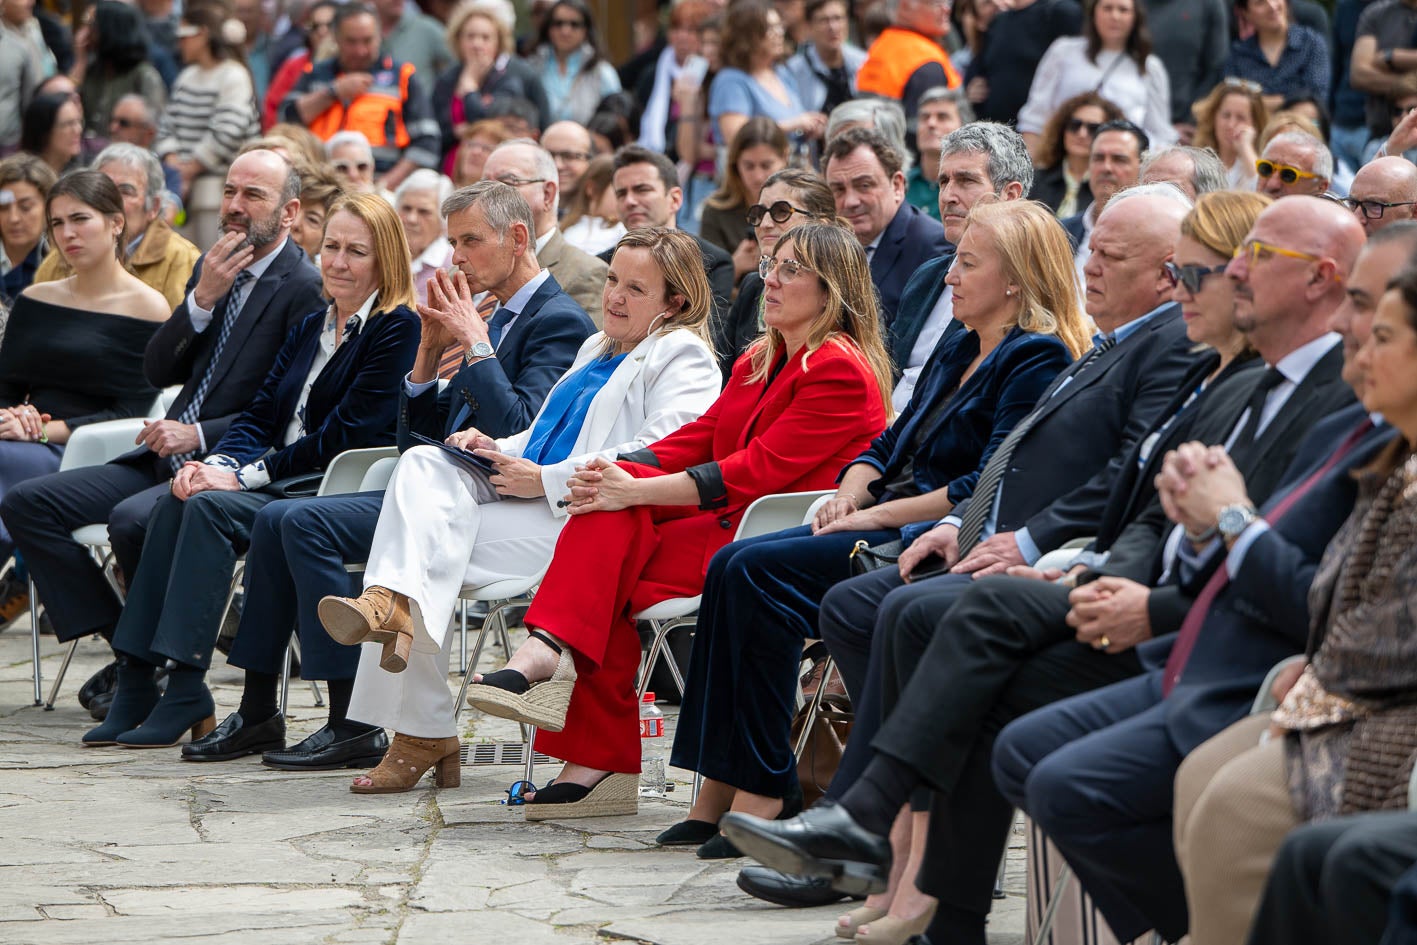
{"points": [[981, 502], [1269, 380], [223, 319], [498, 324], [1195, 617]]}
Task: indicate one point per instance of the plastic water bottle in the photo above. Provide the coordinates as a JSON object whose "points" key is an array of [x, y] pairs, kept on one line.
{"points": [[651, 752]]}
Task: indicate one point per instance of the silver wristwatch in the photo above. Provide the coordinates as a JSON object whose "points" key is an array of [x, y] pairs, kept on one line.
{"points": [[1233, 520], [480, 350]]}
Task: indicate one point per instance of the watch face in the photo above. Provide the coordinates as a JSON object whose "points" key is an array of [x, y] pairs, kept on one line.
{"points": [[1233, 519], [482, 350]]}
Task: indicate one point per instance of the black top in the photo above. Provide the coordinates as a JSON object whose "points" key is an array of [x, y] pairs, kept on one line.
{"points": [[1013, 46], [77, 366]]}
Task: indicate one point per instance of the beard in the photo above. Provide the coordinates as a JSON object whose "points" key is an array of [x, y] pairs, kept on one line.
{"points": [[259, 232]]}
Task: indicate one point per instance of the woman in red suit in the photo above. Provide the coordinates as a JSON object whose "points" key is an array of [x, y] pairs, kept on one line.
{"points": [[802, 402]]}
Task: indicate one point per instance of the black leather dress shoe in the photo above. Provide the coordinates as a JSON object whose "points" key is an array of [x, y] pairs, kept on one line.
{"points": [[824, 841], [100, 682], [98, 707], [233, 738], [785, 889], [325, 751]]}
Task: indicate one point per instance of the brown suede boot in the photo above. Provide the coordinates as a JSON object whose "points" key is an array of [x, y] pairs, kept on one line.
{"points": [[378, 615]]}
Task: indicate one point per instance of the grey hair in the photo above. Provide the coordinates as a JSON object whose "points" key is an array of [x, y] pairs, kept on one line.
{"points": [[884, 115], [139, 159], [943, 93], [1207, 173], [542, 160], [1164, 189], [341, 138], [423, 180], [1323, 157], [1007, 154], [147, 106], [500, 204]]}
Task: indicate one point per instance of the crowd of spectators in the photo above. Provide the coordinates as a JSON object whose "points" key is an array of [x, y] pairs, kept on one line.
{"points": [[1097, 319]]}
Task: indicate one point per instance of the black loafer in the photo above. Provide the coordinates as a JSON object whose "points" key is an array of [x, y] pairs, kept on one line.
{"points": [[718, 847], [325, 751], [233, 738], [100, 682], [824, 841], [688, 833], [785, 889]]}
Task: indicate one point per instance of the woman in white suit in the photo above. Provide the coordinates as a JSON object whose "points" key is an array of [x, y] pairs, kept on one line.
{"points": [[444, 524]]}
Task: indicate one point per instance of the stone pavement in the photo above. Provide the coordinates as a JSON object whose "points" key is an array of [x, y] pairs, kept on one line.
{"points": [[109, 846]]}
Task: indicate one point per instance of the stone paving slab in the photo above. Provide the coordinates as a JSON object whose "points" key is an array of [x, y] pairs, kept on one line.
{"points": [[118, 846]]}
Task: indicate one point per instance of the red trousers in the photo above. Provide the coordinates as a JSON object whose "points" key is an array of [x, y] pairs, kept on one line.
{"points": [[609, 566]]}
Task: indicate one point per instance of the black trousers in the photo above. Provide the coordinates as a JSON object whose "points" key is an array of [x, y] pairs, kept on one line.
{"points": [[41, 513], [956, 667], [176, 597], [1332, 882]]}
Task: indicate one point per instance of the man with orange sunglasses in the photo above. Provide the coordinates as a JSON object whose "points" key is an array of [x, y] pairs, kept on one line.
{"points": [[1294, 163]]}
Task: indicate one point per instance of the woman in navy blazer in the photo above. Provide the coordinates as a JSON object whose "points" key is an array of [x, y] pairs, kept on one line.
{"points": [[334, 387], [1019, 326]]}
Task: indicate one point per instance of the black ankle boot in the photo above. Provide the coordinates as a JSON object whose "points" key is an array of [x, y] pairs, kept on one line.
{"points": [[187, 704], [135, 694]]}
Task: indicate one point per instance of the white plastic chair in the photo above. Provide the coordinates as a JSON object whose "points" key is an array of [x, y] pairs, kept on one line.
{"points": [[90, 445]]}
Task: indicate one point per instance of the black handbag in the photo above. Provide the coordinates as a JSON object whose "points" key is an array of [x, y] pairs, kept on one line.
{"points": [[867, 558], [295, 487]]}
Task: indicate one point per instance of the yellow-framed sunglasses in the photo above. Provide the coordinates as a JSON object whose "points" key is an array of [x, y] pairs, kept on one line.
{"points": [[1288, 173], [1255, 250]]}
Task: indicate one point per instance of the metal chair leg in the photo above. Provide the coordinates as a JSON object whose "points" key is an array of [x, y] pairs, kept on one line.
{"points": [[285, 681], [1055, 899], [494, 614], [816, 708], [59, 677], [658, 647], [314, 686], [463, 644], [34, 645], [999, 876]]}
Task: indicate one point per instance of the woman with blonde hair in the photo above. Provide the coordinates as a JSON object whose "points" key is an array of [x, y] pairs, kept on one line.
{"points": [[487, 69], [334, 387], [810, 396], [1229, 121], [1019, 326], [591, 222]]}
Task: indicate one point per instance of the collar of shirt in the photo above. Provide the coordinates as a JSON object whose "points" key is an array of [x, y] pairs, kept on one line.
{"points": [[259, 267], [1132, 327], [327, 337], [1296, 365], [543, 239], [133, 246], [519, 298], [436, 256]]}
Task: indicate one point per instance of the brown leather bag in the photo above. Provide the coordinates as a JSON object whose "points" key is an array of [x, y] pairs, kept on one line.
{"points": [[822, 754]]}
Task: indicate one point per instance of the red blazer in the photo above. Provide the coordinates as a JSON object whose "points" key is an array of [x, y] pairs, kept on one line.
{"points": [[792, 435]]}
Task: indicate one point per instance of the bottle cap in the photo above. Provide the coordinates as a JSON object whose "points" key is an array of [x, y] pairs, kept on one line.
{"points": [[648, 697]]}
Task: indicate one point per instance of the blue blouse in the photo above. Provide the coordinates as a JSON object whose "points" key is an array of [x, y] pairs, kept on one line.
{"points": [[735, 92], [554, 434]]}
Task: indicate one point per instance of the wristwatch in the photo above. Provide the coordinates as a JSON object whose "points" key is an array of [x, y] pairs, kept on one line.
{"points": [[1233, 520], [1387, 58], [480, 350]]}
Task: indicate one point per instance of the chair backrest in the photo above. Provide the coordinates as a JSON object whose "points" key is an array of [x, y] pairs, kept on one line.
{"points": [[347, 470], [1264, 699], [94, 444], [773, 513], [376, 478], [164, 400]]}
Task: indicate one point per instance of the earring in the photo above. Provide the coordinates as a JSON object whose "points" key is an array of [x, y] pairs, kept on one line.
{"points": [[1008, 292]]}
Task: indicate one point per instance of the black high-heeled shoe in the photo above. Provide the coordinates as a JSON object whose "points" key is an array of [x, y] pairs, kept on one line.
{"points": [[135, 694], [187, 705]]}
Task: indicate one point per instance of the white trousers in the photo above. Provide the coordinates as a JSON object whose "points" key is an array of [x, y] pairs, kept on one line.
{"points": [[441, 528]]}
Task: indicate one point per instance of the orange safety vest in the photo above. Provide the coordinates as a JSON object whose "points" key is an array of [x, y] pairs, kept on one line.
{"points": [[378, 113], [893, 59]]}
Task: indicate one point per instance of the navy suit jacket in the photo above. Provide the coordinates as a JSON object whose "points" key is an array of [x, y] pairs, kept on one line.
{"points": [[911, 239], [1064, 469], [917, 300], [953, 449], [1073, 226], [351, 404], [504, 393], [287, 291], [1262, 615]]}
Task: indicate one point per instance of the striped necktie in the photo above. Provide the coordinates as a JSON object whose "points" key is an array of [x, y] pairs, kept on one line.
{"points": [[224, 318], [452, 360]]}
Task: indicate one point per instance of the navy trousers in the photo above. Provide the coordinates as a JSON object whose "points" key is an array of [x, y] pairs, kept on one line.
{"points": [[299, 548], [20, 461], [1096, 773], [760, 602]]}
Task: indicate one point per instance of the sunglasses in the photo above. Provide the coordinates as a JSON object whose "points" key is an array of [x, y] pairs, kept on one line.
{"points": [[1191, 277], [187, 31], [781, 212], [568, 24], [1374, 209], [1075, 125], [1254, 250], [788, 269], [1245, 85], [1287, 172]]}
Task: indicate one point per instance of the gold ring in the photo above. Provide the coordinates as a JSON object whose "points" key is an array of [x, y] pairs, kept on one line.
{"points": [[1102, 643]]}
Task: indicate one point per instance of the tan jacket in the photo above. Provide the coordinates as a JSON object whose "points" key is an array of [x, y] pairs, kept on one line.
{"points": [[581, 275], [164, 261]]}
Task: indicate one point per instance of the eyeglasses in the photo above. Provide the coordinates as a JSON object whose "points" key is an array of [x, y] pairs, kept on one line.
{"points": [[119, 121], [520, 181], [1075, 125], [781, 212], [345, 167], [788, 269], [1374, 209], [1245, 85], [1287, 172], [568, 24], [1254, 250], [1191, 277], [571, 155]]}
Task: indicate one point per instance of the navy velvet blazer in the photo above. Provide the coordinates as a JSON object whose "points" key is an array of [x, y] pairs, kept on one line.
{"points": [[911, 239], [980, 414], [1262, 615], [917, 301], [352, 404], [504, 393]]}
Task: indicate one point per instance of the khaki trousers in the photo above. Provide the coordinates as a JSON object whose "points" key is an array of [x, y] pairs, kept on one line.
{"points": [[1232, 813]]}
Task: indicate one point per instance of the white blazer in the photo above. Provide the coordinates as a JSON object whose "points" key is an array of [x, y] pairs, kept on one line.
{"points": [[667, 381]]}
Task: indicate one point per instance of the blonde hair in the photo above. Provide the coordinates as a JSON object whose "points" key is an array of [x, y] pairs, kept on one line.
{"points": [[1034, 253], [391, 254], [1207, 108], [1220, 221], [1283, 122], [851, 315], [489, 12], [681, 264]]}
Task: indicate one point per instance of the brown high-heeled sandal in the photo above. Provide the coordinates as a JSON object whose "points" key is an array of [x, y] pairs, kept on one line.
{"points": [[407, 760], [378, 615]]}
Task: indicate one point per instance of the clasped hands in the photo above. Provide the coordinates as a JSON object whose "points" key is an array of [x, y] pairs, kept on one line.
{"points": [[450, 316], [1197, 481], [195, 477], [599, 486], [22, 422]]}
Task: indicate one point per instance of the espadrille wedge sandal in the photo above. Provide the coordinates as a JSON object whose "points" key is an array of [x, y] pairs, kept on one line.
{"points": [[508, 694], [613, 795]]}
